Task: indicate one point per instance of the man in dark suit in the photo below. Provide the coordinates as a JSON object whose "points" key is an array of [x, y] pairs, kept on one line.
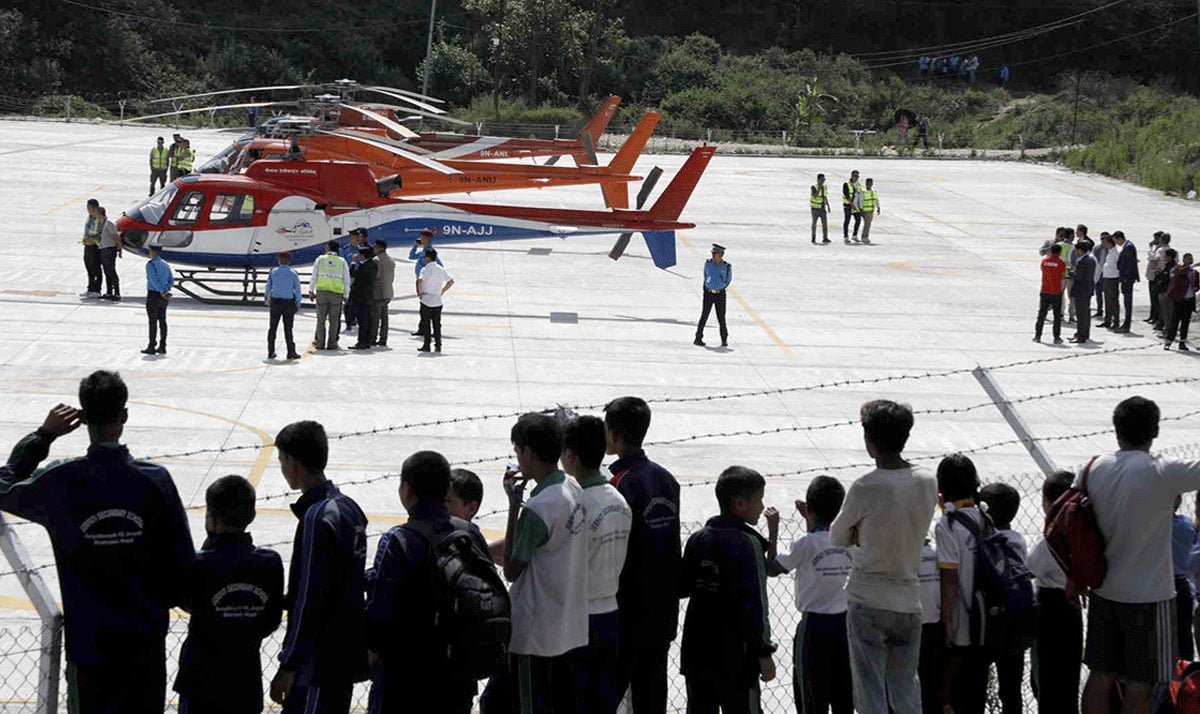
{"points": [[1083, 285], [1127, 265]]}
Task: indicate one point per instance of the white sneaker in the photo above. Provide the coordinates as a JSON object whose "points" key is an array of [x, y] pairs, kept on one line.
{"points": [[94, 295]]}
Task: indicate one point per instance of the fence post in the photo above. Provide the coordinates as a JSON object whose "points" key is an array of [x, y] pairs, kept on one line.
{"points": [[50, 657], [709, 135], [1010, 414], [68, 107], [785, 139], [556, 131]]}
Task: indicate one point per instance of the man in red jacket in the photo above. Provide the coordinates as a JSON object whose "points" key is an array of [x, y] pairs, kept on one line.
{"points": [[1053, 269], [1181, 297]]}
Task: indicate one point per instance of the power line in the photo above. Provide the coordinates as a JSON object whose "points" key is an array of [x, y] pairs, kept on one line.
{"points": [[232, 28], [1022, 33]]}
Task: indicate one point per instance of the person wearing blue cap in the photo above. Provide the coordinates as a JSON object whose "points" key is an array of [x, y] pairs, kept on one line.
{"points": [[717, 276]]}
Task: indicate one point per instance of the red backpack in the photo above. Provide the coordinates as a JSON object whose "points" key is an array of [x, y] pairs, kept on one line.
{"points": [[1185, 688], [1074, 536]]}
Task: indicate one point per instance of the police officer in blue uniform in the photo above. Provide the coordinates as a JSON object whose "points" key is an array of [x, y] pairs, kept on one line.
{"points": [[717, 276]]}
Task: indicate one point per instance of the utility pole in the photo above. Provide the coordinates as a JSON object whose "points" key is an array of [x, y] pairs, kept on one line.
{"points": [[1075, 114], [429, 48]]}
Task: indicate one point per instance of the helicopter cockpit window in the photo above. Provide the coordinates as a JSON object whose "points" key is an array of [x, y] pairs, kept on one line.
{"points": [[188, 210], [152, 209], [231, 208]]}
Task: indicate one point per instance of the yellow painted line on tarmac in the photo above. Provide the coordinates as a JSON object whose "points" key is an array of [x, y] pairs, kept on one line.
{"points": [[14, 603], [749, 310], [935, 219], [264, 454], [74, 199]]}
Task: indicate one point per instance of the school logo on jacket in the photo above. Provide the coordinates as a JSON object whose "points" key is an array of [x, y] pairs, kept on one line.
{"points": [[660, 512], [576, 520], [115, 526], [240, 601]]}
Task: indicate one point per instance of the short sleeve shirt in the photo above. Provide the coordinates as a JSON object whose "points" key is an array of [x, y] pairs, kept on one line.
{"points": [[931, 586], [433, 278], [1045, 569], [1053, 269], [956, 551], [821, 571]]}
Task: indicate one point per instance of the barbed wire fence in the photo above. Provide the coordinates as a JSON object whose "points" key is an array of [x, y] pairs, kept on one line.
{"points": [[21, 646]]}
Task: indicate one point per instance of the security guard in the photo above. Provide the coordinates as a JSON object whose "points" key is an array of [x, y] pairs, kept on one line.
{"points": [[818, 201], [850, 191], [183, 158], [160, 161], [717, 276], [330, 285], [870, 206]]}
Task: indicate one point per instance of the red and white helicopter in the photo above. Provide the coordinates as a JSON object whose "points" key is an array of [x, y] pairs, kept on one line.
{"points": [[230, 227]]}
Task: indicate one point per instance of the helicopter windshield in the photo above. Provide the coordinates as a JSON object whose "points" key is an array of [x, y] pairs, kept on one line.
{"points": [[219, 164], [152, 209]]}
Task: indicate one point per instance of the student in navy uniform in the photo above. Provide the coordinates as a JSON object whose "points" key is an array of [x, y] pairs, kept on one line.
{"points": [[465, 495], [647, 596], [1003, 502], [727, 643], [410, 672], [717, 276], [236, 600], [324, 652], [121, 543], [821, 650]]}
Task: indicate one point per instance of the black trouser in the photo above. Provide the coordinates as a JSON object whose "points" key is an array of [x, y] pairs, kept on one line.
{"points": [[596, 666], [324, 699], [929, 669], [821, 665], [642, 668], [1054, 304], [132, 683], [1179, 319], [849, 212], [379, 321], [1183, 617], [713, 298], [1155, 313], [731, 695], [412, 689], [156, 311], [108, 260], [282, 309], [431, 324], [1100, 298], [532, 684], [1127, 294], [1083, 322], [351, 318], [175, 173], [1059, 652], [158, 176], [965, 679], [91, 262], [1010, 673], [1112, 305], [362, 316]]}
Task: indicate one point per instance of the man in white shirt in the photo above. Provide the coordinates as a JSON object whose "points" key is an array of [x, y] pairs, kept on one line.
{"points": [[432, 284], [609, 521], [1131, 616], [1112, 289], [886, 514]]}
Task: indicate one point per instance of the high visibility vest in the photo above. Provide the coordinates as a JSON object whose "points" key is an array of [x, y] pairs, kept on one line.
{"points": [[817, 199], [184, 159], [870, 200], [854, 188], [159, 159], [330, 269]]}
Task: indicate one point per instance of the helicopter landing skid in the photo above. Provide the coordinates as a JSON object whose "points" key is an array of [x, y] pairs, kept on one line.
{"points": [[224, 286]]}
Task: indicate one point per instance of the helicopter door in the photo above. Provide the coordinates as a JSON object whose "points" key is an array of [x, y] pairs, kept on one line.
{"points": [[293, 223]]}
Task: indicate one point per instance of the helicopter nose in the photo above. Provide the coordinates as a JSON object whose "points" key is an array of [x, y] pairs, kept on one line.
{"points": [[135, 237]]}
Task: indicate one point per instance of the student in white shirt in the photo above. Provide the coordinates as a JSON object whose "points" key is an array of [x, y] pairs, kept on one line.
{"points": [[964, 682], [1059, 645], [545, 552], [609, 520], [933, 642], [1131, 616], [820, 650], [432, 284], [886, 514]]}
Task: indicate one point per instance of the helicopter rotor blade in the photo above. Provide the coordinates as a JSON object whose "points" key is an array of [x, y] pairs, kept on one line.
{"points": [[213, 108], [385, 121], [407, 100], [280, 87], [407, 93]]}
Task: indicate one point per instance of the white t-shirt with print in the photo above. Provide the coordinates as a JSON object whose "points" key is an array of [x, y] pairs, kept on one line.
{"points": [[608, 523], [956, 551], [821, 571]]}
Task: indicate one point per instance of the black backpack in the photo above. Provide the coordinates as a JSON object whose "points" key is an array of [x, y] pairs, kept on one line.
{"points": [[474, 613], [1003, 607]]}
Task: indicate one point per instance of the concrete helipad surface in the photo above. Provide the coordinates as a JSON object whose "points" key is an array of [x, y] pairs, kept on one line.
{"points": [[950, 283]]}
